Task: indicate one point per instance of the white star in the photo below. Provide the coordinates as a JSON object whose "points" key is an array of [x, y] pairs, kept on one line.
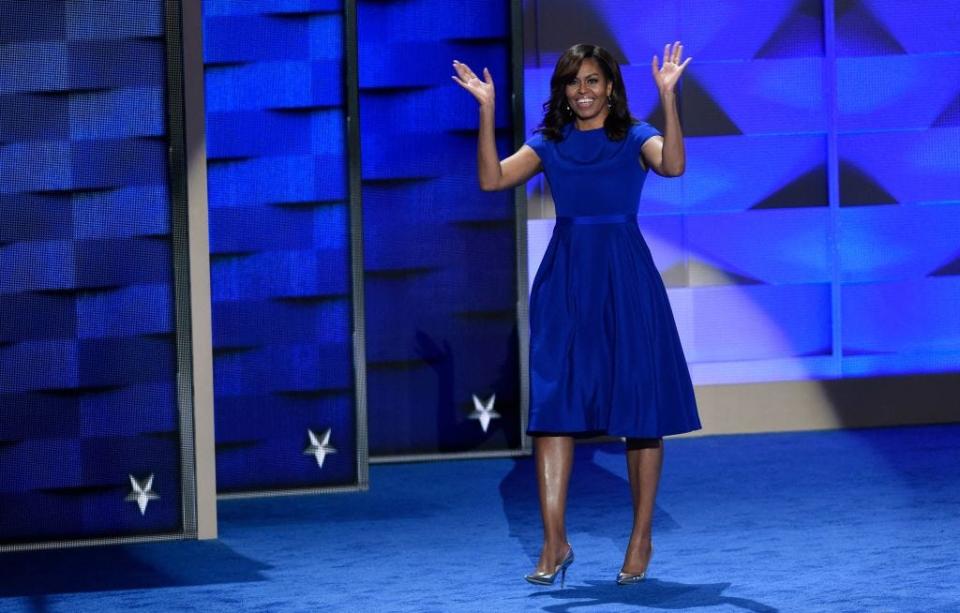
{"points": [[319, 448], [484, 411], [142, 493]]}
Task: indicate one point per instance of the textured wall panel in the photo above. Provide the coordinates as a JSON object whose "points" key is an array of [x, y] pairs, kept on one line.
{"points": [[279, 245], [440, 254], [88, 371]]}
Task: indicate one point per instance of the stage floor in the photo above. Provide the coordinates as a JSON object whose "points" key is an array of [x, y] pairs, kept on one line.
{"points": [[861, 520]]}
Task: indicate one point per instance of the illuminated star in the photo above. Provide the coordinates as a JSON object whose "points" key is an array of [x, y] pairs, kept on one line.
{"points": [[484, 411], [142, 492], [319, 447]]}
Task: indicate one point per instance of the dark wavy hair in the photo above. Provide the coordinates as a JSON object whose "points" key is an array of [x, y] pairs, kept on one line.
{"points": [[555, 113]]}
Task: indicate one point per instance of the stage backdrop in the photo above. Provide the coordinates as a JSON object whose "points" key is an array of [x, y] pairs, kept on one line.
{"points": [[440, 257], [441, 280], [286, 404], [816, 232], [94, 444]]}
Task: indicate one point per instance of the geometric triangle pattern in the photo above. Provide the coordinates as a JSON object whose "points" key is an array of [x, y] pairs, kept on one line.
{"points": [[807, 189], [860, 33], [949, 269], [857, 188], [949, 117], [589, 25], [801, 33], [700, 114]]}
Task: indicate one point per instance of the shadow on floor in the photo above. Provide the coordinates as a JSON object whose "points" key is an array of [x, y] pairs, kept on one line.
{"points": [[651, 594], [124, 567]]}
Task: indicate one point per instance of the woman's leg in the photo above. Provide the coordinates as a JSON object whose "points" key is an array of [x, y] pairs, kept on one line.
{"points": [[554, 457], [644, 460]]}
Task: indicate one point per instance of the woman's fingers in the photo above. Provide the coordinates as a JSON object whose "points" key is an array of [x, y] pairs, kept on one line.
{"points": [[672, 54], [463, 70]]}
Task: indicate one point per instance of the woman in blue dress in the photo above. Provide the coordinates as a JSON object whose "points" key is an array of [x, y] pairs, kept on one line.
{"points": [[605, 356]]}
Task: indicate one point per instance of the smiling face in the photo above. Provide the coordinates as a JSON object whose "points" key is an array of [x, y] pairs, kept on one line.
{"points": [[587, 94]]}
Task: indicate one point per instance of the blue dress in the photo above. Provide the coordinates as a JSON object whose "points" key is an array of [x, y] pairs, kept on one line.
{"points": [[605, 356]]}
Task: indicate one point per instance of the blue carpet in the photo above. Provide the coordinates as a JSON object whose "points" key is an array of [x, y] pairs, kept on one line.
{"points": [[863, 520]]}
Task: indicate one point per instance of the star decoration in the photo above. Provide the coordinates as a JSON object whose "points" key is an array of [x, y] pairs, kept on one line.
{"points": [[483, 411], [141, 492], [319, 447]]}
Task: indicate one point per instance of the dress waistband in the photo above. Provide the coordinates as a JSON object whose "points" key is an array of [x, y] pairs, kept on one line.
{"points": [[595, 219]]}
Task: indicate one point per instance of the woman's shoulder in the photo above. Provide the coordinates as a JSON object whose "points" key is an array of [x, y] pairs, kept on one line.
{"points": [[540, 141], [640, 131], [536, 139]]}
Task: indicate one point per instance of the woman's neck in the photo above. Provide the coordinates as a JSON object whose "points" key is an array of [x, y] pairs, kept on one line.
{"points": [[594, 123]]}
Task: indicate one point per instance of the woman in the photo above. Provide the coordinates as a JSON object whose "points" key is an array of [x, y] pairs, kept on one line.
{"points": [[605, 357]]}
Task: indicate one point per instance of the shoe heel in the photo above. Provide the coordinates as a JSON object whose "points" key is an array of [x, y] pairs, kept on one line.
{"points": [[542, 578]]}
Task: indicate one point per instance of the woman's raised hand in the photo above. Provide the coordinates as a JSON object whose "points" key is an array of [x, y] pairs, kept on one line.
{"points": [[481, 90], [667, 76]]}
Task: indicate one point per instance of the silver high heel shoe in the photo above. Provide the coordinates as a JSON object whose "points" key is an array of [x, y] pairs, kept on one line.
{"points": [[545, 578], [629, 578]]}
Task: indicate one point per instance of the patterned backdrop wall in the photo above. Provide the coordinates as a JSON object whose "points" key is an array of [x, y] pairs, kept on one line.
{"points": [[440, 255], [285, 401], [92, 442], [816, 232]]}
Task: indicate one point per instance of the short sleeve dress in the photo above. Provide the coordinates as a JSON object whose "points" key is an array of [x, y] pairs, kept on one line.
{"points": [[605, 356]]}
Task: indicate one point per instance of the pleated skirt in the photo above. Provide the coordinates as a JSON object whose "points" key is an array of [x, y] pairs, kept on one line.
{"points": [[605, 355]]}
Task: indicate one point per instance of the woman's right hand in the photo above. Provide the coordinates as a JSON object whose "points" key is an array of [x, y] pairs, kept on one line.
{"points": [[481, 90]]}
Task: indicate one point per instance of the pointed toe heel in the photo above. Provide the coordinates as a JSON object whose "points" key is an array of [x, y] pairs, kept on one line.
{"points": [[545, 578]]}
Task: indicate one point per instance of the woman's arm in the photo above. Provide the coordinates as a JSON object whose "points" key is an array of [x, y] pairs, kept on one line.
{"points": [[666, 155], [493, 173]]}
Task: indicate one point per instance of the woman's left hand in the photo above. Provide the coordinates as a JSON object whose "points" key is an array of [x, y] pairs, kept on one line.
{"points": [[667, 76]]}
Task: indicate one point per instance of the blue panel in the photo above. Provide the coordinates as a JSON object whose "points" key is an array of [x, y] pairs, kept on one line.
{"points": [[736, 247], [439, 254], [760, 322], [908, 317], [897, 243], [277, 180], [711, 29], [723, 174], [212, 8], [900, 167], [885, 27], [307, 84], [893, 92], [279, 242], [87, 349]]}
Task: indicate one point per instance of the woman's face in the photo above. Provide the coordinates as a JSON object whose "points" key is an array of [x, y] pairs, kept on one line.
{"points": [[588, 92]]}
